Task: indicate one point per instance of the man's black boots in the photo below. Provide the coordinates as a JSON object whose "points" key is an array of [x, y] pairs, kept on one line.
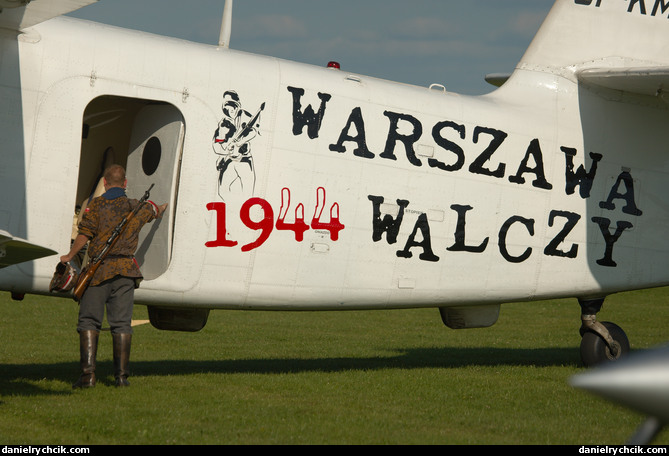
{"points": [[121, 348], [88, 347]]}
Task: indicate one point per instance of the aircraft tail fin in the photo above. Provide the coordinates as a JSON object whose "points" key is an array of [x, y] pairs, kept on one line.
{"points": [[617, 44], [29, 13]]}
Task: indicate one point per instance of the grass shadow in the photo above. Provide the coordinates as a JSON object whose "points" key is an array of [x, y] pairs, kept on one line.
{"points": [[420, 358], [33, 379]]}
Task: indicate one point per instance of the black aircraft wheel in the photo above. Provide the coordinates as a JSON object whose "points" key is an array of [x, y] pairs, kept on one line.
{"points": [[595, 350]]}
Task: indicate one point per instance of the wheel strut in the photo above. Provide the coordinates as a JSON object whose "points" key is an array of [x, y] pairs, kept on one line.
{"points": [[603, 341], [589, 322]]}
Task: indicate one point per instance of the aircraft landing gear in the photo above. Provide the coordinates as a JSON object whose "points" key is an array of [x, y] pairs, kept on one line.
{"points": [[600, 342]]}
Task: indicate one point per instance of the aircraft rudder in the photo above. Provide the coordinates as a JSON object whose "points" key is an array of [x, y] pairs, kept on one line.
{"points": [[580, 34]]}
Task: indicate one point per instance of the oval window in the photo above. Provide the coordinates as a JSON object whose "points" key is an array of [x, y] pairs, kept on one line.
{"points": [[151, 156]]}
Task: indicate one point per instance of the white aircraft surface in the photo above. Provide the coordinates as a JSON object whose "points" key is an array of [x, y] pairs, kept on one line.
{"points": [[295, 187]]}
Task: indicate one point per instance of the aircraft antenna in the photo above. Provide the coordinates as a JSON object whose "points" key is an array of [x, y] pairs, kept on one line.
{"points": [[226, 25]]}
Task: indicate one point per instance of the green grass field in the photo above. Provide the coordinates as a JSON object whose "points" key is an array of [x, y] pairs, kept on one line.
{"points": [[373, 377]]}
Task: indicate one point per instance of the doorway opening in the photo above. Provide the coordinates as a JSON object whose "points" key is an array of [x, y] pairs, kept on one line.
{"points": [[145, 137]]}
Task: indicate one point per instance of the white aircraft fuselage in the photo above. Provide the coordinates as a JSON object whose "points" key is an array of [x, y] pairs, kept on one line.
{"points": [[299, 187]]}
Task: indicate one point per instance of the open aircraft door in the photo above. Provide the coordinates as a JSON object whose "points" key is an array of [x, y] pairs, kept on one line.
{"points": [[154, 158]]}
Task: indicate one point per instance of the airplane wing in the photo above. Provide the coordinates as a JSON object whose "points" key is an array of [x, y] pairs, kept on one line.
{"points": [[643, 81], [15, 250], [32, 12]]}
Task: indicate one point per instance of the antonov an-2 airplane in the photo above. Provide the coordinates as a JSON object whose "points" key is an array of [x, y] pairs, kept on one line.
{"points": [[296, 187]]}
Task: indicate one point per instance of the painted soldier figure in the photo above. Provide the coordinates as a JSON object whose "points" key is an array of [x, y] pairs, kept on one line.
{"points": [[231, 142]]}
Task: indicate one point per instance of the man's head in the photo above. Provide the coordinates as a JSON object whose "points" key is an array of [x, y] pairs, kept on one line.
{"points": [[114, 176]]}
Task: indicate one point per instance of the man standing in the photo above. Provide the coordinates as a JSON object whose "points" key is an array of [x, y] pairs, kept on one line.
{"points": [[113, 284]]}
